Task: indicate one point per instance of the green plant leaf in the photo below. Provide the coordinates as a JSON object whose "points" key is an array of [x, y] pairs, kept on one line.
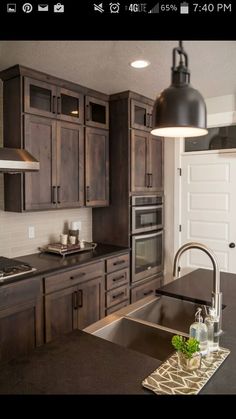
{"points": [[187, 346]]}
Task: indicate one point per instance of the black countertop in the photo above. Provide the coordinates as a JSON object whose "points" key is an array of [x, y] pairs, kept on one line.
{"points": [[80, 363], [46, 263]]}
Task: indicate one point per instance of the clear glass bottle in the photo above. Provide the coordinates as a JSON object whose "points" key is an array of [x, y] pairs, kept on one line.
{"points": [[198, 330], [211, 321]]}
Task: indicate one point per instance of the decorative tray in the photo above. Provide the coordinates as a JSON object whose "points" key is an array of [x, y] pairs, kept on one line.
{"points": [[169, 378], [63, 250]]}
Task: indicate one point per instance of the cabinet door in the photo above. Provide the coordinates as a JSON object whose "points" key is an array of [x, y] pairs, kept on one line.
{"points": [[61, 312], [70, 106], [39, 97], [97, 112], [146, 288], [90, 302], [156, 162], [141, 115], [139, 161], [40, 141], [97, 167], [70, 165], [20, 330]]}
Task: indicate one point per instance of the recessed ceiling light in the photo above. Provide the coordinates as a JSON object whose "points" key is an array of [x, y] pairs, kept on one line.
{"points": [[140, 63]]}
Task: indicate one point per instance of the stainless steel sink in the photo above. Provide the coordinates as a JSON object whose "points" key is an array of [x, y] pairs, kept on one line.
{"points": [[144, 338], [168, 312]]}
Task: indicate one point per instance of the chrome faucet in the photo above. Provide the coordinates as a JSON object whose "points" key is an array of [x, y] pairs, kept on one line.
{"points": [[216, 294]]}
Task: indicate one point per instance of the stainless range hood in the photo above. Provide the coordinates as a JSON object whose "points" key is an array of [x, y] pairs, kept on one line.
{"points": [[17, 160]]}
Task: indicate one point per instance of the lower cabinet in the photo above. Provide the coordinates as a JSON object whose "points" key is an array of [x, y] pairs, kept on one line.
{"points": [[117, 283], [75, 307], [146, 288], [21, 325]]}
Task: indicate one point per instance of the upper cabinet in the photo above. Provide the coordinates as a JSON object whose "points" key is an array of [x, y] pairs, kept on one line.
{"points": [[146, 162], [97, 113], [49, 121], [141, 115], [46, 99]]}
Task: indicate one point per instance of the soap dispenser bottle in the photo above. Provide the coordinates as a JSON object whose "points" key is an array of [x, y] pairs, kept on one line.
{"points": [[198, 330], [211, 321]]}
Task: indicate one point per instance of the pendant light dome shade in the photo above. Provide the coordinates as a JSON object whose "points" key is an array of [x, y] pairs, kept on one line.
{"points": [[180, 110]]}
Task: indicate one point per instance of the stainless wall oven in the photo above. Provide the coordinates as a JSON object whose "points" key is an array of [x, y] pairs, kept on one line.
{"points": [[147, 236]]}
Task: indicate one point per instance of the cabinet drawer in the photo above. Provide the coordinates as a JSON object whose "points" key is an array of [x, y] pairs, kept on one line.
{"points": [[73, 277], [117, 307], [145, 289], [20, 292], [118, 262], [117, 278], [116, 296]]}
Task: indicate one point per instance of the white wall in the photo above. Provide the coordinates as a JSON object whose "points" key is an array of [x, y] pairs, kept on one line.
{"points": [[48, 225]]}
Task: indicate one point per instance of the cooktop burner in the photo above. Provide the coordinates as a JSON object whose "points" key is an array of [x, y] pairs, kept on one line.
{"points": [[12, 267]]}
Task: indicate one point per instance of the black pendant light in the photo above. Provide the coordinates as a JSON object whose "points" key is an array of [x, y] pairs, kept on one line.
{"points": [[180, 110]]}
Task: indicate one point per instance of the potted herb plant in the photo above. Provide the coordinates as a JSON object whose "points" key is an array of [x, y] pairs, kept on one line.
{"points": [[188, 351]]}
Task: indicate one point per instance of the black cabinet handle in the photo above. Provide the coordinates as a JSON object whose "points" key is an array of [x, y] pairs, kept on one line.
{"points": [[58, 105], [75, 300], [118, 295], [59, 194], [87, 193], [150, 180], [80, 292], [119, 262], [54, 198], [147, 120], [54, 104], [232, 245], [78, 276], [118, 278], [148, 293]]}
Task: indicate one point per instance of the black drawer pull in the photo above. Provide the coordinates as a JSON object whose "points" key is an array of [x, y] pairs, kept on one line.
{"points": [[148, 292], [78, 276], [118, 295], [54, 199], [118, 278], [119, 262]]}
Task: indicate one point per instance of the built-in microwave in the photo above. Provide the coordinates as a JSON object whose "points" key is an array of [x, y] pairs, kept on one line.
{"points": [[147, 213]]}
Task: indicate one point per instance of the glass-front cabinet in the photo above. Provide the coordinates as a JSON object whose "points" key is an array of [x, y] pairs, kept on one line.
{"points": [[97, 112], [141, 115], [46, 99]]}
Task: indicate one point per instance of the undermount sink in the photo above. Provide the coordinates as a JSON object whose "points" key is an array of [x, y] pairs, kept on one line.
{"points": [[168, 312], [131, 334]]}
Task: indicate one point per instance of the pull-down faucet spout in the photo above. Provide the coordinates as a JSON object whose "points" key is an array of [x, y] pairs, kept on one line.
{"points": [[216, 294]]}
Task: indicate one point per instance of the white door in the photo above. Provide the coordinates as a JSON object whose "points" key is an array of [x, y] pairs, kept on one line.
{"points": [[208, 213]]}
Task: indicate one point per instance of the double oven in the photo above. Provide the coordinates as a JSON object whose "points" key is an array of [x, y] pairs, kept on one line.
{"points": [[147, 222]]}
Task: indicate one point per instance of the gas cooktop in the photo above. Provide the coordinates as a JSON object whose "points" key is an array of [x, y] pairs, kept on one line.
{"points": [[12, 267]]}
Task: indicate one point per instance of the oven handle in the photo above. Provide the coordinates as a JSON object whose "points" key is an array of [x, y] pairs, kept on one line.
{"points": [[149, 207], [144, 236]]}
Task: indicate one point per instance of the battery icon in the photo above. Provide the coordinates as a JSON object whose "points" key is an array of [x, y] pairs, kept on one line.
{"points": [[184, 8]]}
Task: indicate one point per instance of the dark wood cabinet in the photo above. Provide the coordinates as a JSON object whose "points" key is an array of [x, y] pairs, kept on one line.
{"points": [[96, 113], [59, 146], [146, 288], [96, 167], [41, 98], [146, 162], [21, 326], [48, 120], [141, 115], [117, 282], [77, 306]]}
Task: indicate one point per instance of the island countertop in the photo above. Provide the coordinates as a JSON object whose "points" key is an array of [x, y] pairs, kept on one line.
{"points": [[80, 363]]}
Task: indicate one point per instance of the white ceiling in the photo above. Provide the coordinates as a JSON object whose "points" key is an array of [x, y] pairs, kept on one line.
{"points": [[104, 65]]}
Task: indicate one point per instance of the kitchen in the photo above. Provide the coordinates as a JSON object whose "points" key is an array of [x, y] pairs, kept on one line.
{"points": [[114, 210]]}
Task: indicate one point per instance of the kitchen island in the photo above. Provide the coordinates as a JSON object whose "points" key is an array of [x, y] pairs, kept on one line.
{"points": [[80, 363]]}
